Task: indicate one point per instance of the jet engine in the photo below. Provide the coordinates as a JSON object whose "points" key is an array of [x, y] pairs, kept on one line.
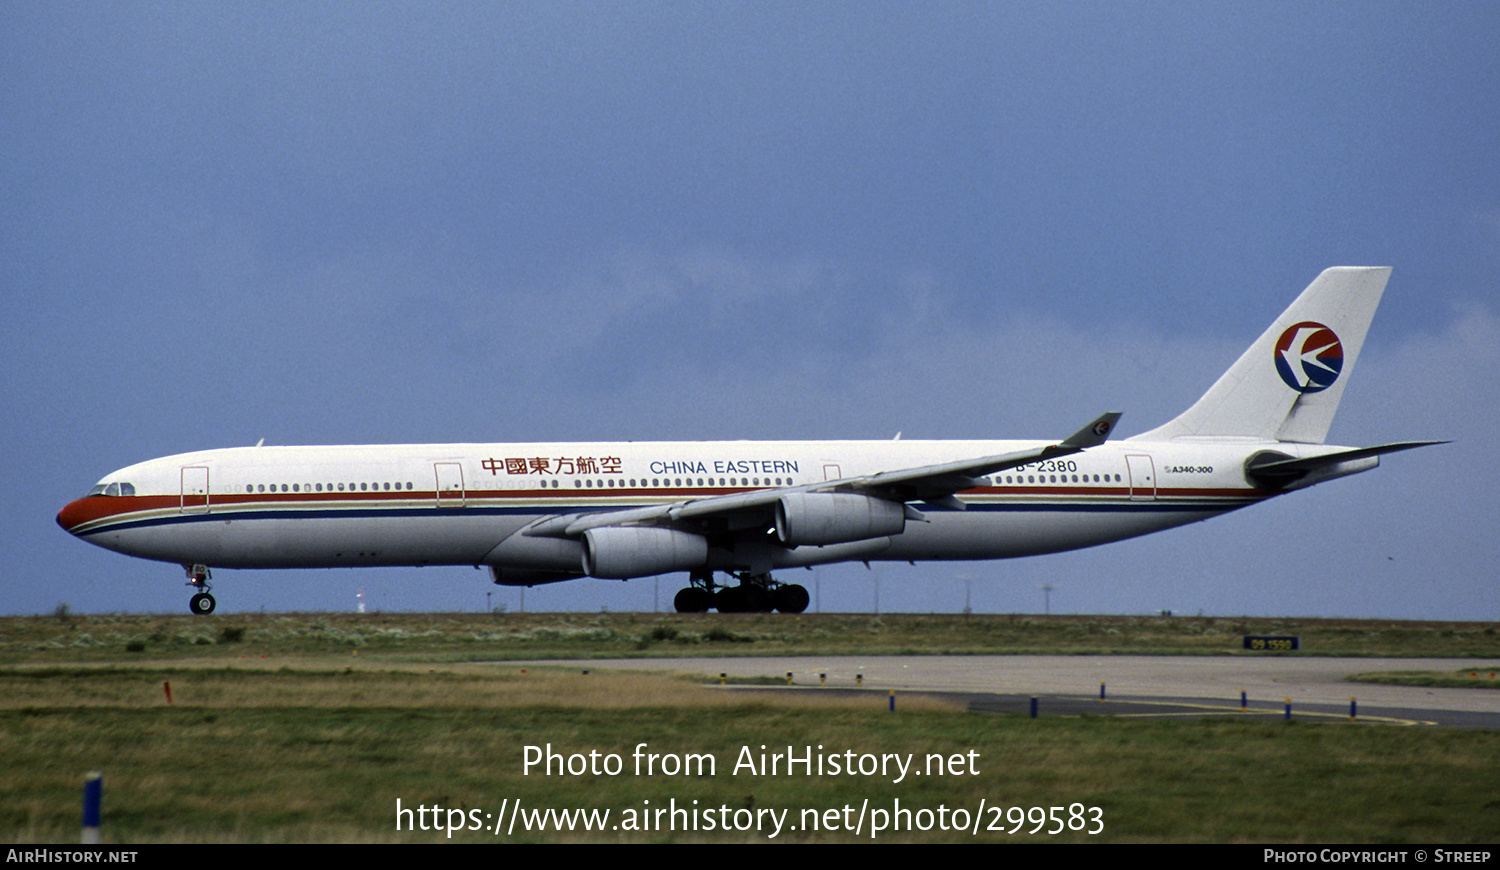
{"points": [[622, 552], [834, 517]]}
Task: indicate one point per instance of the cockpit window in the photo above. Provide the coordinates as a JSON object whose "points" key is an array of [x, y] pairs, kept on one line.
{"points": [[113, 489]]}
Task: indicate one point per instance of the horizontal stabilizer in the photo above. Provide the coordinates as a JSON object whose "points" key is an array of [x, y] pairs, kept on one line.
{"points": [[1289, 466], [1279, 471]]}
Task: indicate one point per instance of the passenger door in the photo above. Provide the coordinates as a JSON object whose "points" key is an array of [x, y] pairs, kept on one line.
{"points": [[194, 489]]}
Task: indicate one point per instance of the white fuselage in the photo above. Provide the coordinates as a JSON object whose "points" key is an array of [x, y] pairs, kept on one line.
{"points": [[275, 507]]}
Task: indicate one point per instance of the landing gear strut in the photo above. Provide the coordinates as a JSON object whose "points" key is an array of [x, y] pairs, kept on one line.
{"points": [[756, 593], [202, 603]]}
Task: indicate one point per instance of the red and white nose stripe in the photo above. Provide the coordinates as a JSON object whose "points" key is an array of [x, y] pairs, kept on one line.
{"points": [[85, 510]]}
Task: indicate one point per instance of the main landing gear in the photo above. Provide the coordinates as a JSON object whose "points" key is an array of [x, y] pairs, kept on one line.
{"points": [[202, 603], [756, 593]]}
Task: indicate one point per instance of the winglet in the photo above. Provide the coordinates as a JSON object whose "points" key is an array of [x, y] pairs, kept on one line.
{"points": [[1093, 434]]}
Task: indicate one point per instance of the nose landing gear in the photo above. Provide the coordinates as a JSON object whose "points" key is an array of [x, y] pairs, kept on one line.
{"points": [[202, 603]]}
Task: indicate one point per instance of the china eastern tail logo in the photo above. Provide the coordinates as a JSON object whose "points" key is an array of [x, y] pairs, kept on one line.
{"points": [[1309, 357]]}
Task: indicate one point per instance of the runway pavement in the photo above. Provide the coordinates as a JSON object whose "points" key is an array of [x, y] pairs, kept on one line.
{"points": [[1155, 685]]}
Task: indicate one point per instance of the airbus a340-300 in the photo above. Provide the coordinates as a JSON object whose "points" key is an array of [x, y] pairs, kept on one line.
{"points": [[541, 513]]}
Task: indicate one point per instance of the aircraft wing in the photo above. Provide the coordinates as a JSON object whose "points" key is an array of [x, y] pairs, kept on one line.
{"points": [[937, 483], [934, 484]]}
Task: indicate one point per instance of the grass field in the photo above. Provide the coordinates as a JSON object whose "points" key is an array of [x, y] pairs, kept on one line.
{"points": [[307, 728], [444, 637]]}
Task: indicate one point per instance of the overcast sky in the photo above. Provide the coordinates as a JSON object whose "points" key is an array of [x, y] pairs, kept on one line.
{"points": [[389, 223]]}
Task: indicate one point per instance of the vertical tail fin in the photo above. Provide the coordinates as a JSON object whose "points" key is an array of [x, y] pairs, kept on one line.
{"points": [[1287, 386]]}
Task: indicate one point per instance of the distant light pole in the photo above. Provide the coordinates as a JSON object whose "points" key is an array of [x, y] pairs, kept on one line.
{"points": [[1047, 597], [968, 580]]}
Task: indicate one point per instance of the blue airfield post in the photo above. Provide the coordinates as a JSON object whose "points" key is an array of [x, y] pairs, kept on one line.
{"points": [[93, 795]]}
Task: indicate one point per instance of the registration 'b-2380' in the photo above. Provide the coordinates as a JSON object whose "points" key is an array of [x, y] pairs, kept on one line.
{"points": [[546, 512]]}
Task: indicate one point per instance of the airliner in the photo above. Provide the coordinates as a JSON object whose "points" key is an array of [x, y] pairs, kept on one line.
{"points": [[547, 512]]}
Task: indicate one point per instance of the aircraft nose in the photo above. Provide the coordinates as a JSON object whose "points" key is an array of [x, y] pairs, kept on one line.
{"points": [[75, 514]]}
